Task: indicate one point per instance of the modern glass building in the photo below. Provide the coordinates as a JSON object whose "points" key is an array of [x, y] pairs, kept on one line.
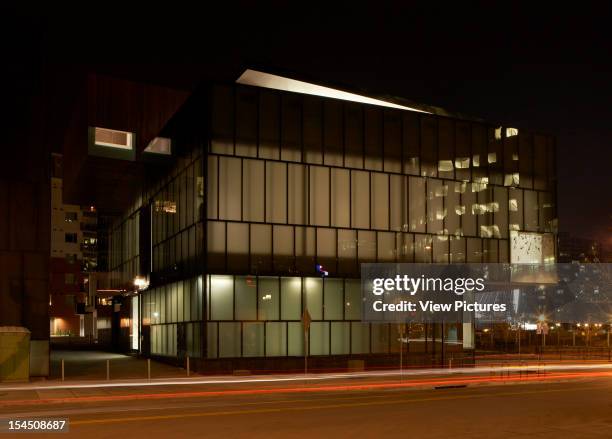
{"points": [[256, 189]]}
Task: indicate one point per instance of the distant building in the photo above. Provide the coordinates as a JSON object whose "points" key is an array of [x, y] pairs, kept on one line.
{"points": [[73, 258], [575, 249]]}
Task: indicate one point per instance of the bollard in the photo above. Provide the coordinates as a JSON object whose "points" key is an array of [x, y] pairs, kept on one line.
{"points": [[187, 365], [107, 370], [149, 369], [62, 369]]}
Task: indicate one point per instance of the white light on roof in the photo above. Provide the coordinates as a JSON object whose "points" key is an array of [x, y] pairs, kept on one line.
{"points": [[268, 80]]}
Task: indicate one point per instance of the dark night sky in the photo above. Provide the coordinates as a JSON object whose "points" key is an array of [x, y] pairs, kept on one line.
{"points": [[547, 70]]}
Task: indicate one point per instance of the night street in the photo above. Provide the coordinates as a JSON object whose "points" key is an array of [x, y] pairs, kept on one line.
{"points": [[579, 409]]}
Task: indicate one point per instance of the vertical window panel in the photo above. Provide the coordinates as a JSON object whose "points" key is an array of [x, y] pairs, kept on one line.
{"points": [[373, 137], [252, 339], [298, 194], [237, 247], [446, 148], [429, 147], [422, 248], [392, 141], [386, 246], [360, 199], [319, 195], [353, 114], [295, 336], [435, 205], [469, 222], [411, 143], [474, 250], [276, 339], [479, 152], [319, 338], [313, 297], [268, 298], [276, 192], [416, 199], [531, 210], [326, 248], [398, 203], [305, 249], [463, 153], [352, 302], [333, 299], [332, 133], [246, 122], [230, 185], [261, 248], [312, 121], [291, 298], [253, 190], [500, 217], [360, 338], [283, 248], [380, 200], [222, 139], [347, 252], [229, 339], [405, 247], [366, 246], [269, 129], [291, 137], [457, 249], [216, 245], [340, 338], [340, 201], [441, 249], [454, 209], [221, 298], [495, 155]]}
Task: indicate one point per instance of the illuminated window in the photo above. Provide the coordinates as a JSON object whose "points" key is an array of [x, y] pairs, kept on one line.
{"points": [[510, 132], [498, 132], [445, 165], [462, 162], [70, 217], [113, 138], [159, 145], [69, 279], [511, 179]]}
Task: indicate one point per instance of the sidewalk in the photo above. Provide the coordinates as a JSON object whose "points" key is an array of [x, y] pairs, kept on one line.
{"points": [[91, 365]]}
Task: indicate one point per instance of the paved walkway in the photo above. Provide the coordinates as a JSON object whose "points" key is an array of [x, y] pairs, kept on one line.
{"points": [[91, 365]]}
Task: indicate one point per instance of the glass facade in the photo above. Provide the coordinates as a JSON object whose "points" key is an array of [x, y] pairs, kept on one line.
{"points": [[281, 182]]}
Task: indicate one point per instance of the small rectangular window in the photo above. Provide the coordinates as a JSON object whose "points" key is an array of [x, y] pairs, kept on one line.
{"points": [[70, 217], [69, 279], [113, 138], [71, 237], [159, 145]]}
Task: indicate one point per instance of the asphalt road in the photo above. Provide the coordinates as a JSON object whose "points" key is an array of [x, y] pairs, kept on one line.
{"points": [[580, 408]]}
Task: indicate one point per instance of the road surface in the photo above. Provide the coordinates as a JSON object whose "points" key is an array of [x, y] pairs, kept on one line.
{"points": [[579, 407]]}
